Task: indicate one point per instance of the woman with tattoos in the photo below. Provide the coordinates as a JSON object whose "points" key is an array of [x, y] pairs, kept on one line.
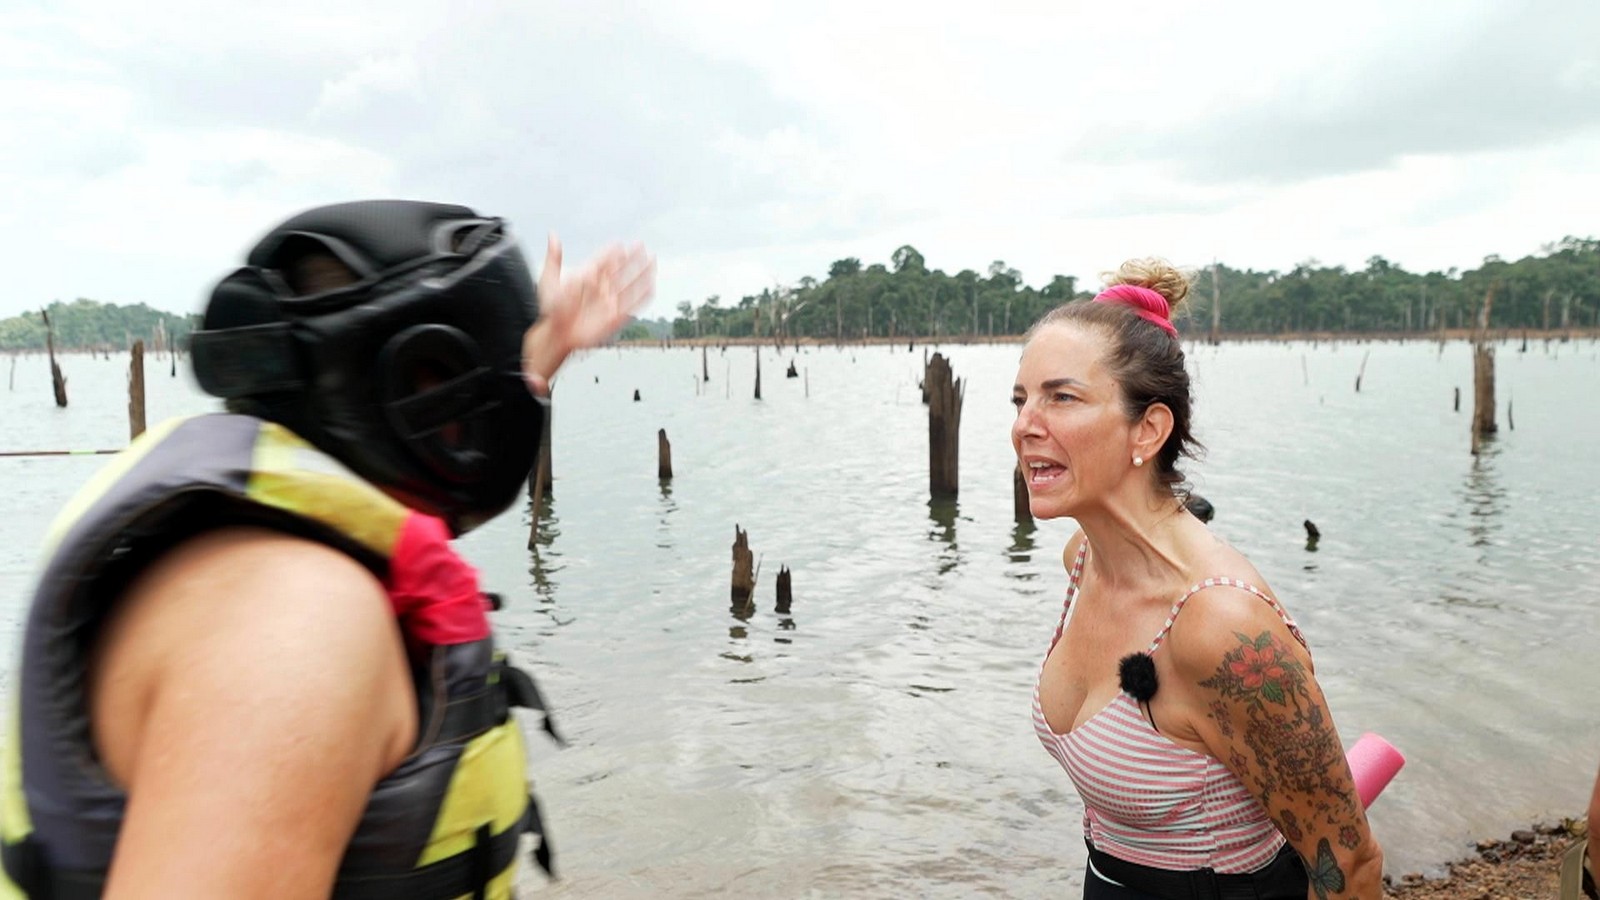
{"points": [[1177, 693]]}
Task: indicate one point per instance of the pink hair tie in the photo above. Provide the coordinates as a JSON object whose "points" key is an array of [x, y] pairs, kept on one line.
{"points": [[1145, 303]]}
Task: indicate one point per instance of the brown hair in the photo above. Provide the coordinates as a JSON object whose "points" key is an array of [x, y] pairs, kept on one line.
{"points": [[317, 272], [1145, 360]]}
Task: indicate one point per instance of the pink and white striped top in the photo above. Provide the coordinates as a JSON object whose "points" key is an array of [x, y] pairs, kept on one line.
{"points": [[1146, 799]]}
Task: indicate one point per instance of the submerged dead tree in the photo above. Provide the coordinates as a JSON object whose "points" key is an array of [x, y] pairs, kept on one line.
{"points": [[1483, 424], [1216, 306], [539, 479], [57, 380], [945, 393], [744, 569], [1021, 511], [785, 592], [664, 456], [136, 391]]}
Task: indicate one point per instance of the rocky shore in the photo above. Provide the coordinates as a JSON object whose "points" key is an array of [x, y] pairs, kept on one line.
{"points": [[1525, 865]]}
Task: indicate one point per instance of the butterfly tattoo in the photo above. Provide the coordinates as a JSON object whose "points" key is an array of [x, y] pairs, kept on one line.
{"points": [[1325, 875]]}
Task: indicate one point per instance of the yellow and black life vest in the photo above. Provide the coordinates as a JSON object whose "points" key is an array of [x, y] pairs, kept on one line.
{"points": [[444, 825]]}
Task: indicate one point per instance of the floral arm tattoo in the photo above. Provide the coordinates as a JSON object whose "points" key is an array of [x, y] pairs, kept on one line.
{"points": [[1282, 744]]}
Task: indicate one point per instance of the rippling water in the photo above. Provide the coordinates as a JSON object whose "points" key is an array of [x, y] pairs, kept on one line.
{"points": [[876, 741]]}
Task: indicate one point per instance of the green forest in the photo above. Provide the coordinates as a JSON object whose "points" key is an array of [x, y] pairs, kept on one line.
{"points": [[87, 324], [1558, 288]]}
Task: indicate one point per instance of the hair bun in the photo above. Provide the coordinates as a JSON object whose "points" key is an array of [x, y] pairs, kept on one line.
{"points": [[1154, 273]]}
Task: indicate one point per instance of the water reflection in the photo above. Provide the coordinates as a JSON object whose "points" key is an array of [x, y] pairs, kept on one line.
{"points": [[1021, 551], [544, 559], [1484, 496], [668, 507], [942, 512]]}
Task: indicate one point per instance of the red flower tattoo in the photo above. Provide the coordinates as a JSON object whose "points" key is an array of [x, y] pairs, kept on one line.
{"points": [[1253, 667]]}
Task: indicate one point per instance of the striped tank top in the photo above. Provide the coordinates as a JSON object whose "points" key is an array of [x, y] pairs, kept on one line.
{"points": [[1146, 799]]}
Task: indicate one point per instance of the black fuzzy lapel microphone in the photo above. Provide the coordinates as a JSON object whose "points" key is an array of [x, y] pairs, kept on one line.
{"points": [[1137, 673]]}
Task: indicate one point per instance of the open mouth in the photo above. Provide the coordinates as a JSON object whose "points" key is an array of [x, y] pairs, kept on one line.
{"points": [[1043, 472]]}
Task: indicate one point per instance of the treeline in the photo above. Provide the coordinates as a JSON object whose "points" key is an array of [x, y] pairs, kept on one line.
{"points": [[91, 325], [1558, 288]]}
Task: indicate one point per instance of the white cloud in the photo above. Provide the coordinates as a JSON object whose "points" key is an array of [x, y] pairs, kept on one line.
{"points": [[753, 143]]}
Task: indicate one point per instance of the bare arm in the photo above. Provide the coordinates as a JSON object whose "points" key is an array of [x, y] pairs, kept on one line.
{"points": [[1594, 819], [1268, 722], [249, 692]]}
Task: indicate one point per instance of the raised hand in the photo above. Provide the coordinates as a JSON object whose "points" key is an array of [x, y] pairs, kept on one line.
{"points": [[585, 307]]}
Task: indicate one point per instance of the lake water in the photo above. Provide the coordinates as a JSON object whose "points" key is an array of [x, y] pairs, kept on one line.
{"points": [[876, 742]]}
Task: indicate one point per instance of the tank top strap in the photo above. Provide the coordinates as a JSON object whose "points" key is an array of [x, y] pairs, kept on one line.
{"points": [[1224, 581], [1073, 578]]}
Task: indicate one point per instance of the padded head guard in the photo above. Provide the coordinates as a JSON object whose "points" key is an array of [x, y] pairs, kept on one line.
{"points": [[411, 375]]}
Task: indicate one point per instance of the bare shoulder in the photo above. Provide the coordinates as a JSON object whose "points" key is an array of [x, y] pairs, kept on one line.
{"points": [[1219, 620], [248, 580], [248, 691], [1069, 553], [275, 613]]}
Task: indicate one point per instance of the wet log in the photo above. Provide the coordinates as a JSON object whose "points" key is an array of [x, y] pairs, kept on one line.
{"points": [[945, 393], [57, 381], [663, 455], [539, 480], [1483, 424], [785, 592], [744, 569], [136, 391]]}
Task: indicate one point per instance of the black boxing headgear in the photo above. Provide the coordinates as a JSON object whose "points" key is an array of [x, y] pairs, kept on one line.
{"points": [[411, 374]]}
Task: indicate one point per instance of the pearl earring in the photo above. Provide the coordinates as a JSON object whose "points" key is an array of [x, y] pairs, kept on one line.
{"points": [[1138, 461]]}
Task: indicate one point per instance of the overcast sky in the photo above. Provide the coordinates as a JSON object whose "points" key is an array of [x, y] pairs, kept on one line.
{"points": [[144, 146]]}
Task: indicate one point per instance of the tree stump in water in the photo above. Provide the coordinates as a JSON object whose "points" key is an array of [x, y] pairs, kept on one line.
{"points": [[705, 367], [793, 372], [664, 455], [744, 569], [1483, 425], [785, 593], [1021, 511], [539, 480], [758, 373], [945, 394], [57, 380], [136, 391]]}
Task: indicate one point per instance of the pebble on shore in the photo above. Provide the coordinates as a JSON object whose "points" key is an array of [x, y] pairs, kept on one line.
{"points": [[1525, 865]]}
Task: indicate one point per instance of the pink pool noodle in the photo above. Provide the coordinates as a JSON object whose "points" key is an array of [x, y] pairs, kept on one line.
{"points": [[1373, 761]]}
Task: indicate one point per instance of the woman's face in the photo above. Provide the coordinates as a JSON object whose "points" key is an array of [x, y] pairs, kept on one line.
{"points": [[1071, 433]]}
